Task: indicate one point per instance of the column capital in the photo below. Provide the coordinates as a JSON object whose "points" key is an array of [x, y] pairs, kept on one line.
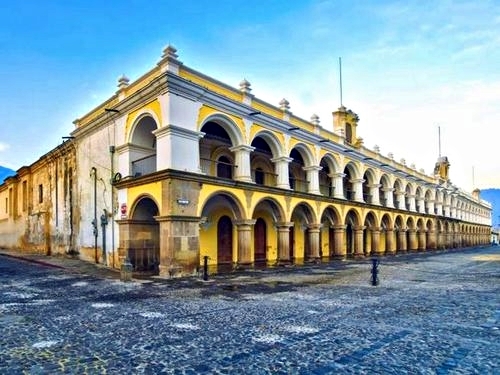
{"points": [[241, 148], [284, 224], [358, 180], [387, 189], [282, 159], [338, 174], [339, 227], [314, 226], [242, 223], [312, 168]]}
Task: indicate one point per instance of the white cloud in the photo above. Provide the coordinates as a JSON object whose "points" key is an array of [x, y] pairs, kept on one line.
{"points": [[4, 146]]}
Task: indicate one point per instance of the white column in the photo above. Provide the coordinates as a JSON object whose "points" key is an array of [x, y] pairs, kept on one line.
{"points": [[401, 200], [281, 170], [177, 148], [374, 192], [313, 178], [421, 205], [388, 197], [338, 184], [357, 185], [439, 208], [242, 171], [430, 207], [411, 201]]}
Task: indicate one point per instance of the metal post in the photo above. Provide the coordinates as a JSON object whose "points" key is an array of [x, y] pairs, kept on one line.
{"points": [[375, 263], [205, 268]]}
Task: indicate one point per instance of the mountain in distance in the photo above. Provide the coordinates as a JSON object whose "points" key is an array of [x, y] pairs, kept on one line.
{"points": [[5, 172], [492, 196]]}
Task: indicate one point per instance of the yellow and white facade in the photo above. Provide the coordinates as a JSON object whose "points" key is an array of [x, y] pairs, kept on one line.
{"points": [[185, 167]]}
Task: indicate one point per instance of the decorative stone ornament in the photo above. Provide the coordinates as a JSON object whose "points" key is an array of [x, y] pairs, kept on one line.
{"points": [[123, 82], [245, 86], [284, 105], [315, 120]]}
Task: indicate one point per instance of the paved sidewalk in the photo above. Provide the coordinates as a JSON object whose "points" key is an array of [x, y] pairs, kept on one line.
{"points": [[432, 313]]}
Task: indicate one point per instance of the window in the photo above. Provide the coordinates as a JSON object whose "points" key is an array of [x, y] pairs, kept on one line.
{"points": [[6, 205], [40, 193]]}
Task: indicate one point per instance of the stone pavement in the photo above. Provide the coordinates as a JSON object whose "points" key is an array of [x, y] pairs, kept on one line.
{"points": [[431, 314]]}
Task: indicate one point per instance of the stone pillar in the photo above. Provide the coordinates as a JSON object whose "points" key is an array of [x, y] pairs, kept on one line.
{"points": [[242, 172], [374, 192], [401, 200], [446, 210], [411, 202], [439, 208], [281, 170], [312, 173], [439, 239], [431, 242], [421, 205], [376, 241], [339, 238], [338, 182], [412, 237], [430, 207], [358, 242], [284, 242], [388, 197], [421, 240], [357, 185], [389, 241], [179, 244], [402, 240], [244, 229], [313, 234]]}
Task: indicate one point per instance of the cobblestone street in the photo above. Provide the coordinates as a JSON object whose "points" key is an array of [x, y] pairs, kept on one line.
{"points": [[431, 314]]}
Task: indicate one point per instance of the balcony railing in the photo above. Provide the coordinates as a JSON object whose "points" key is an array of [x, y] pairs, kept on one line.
{"points": [[144, 166], [217, 168], [298, 184]]}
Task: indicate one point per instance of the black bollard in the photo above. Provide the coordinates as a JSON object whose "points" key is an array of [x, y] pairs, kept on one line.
{"points": [[205, 268], [375, 262]]}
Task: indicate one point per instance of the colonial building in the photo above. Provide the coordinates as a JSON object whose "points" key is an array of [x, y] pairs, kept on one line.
{"points": [[178, 166]]}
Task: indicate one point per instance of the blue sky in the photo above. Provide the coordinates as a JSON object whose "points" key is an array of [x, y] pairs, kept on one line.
{"points": [[408, 67]]}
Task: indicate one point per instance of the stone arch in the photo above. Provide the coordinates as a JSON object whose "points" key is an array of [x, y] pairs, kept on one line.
{"points": [[411, 234], [419, 200], [385, 193], [369, 184], [332, 238], [430, 234], [143, 247], [353, 233], [216, 147], [303, 233], [327, 174], [230, 127], [267, 214], [142, 144], [398, 193], [270, 140], [400, 228], [351, 175], [410, 197], [371, 233], [219, 214], [386, 235]]}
